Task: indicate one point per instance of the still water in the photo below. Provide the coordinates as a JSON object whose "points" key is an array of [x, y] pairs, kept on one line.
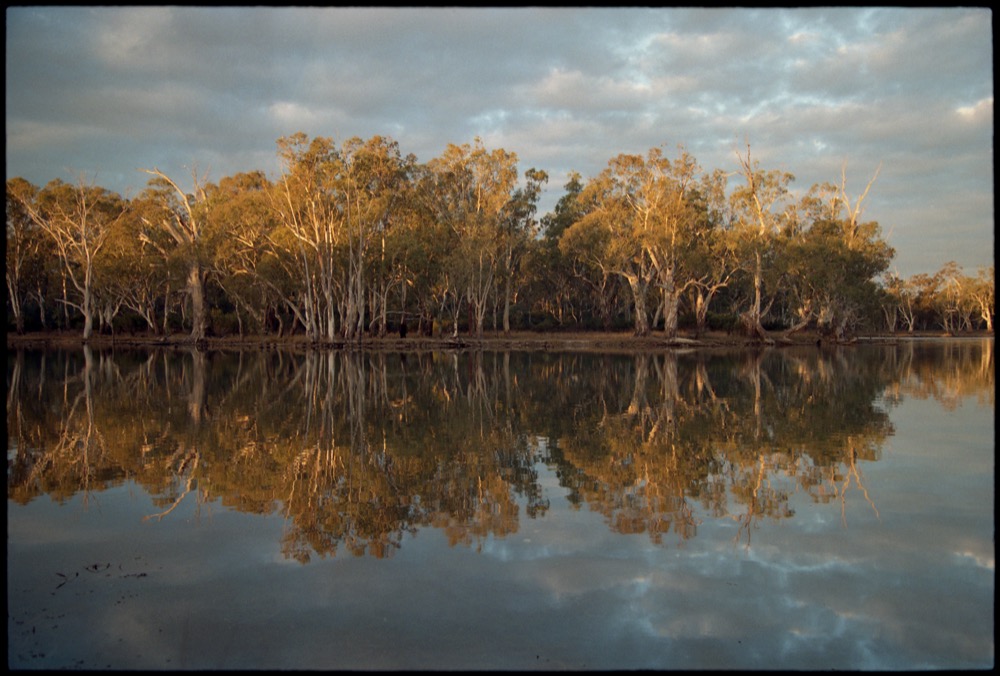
{"points": [[788, 508]]}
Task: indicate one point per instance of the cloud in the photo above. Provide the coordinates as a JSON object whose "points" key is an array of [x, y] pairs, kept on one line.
{"points": [[106, 89]]}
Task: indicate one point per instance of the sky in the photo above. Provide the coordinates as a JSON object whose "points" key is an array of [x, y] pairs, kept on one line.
{"points": [[900, 94]]}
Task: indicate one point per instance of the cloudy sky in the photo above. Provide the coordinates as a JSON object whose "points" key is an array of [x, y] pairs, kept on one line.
{"points": [[102, 92]]}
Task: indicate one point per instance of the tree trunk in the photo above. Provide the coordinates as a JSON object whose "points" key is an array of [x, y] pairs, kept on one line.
{"points": [[166, 311], [88, 307], [700, 313], [88, 325], [670, 303], [506, 306], [639, 299], [755, 328], [196, 289], [41, 306]]}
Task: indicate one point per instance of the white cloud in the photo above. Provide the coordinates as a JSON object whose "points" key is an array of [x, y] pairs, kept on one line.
{"points": [[981, 112], [291, 114], [564, 89]]}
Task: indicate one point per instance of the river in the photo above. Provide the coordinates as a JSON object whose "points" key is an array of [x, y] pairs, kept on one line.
{"points": [[785, 508]]}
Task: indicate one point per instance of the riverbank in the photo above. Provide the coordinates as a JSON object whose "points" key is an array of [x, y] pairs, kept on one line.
{"points": [[551, 341]]}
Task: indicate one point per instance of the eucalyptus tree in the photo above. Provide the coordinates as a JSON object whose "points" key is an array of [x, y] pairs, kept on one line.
{"points": [[240, 222], [518, 231], [676, 226], [712, 260], [562, 267], [953, 301], [333, 203], [76, 219], [983, 292], [373, 186], [420, 248], [834, 259], [612, 233], [641, 223], [23, 248], [759, 206], [835, 281], [181, 215], [903, 293], [309, 213], [136, 271], [892, 301], [470, 191], [585, 247], [926, 290]]}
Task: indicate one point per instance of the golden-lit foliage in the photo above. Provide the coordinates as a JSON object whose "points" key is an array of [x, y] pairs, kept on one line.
{"points": [[356, 238], [357, 450]]}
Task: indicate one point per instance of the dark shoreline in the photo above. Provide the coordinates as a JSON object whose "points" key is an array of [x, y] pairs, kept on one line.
{"points": [[516, 340]]}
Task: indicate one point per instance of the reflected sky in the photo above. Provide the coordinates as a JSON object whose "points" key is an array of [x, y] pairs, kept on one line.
{"points": [[899, 575]]}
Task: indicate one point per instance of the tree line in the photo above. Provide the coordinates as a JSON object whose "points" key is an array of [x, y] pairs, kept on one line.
{"points": [[359, 239]]}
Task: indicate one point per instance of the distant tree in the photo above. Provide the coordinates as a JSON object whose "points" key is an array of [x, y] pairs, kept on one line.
{"points": [[712, 260], [373, 188], [760, 207], [182, 216], [471, 190], [239, 222], [23, 248], [641, 224], [574, 279], [518, 230], [982, 290], [76, 220]]}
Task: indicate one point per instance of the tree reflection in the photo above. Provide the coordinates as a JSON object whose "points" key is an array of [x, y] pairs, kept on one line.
{"points": [[357, 450]]}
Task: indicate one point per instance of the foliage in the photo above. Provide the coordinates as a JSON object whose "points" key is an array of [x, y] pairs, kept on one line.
{"points": [[356, 237]]}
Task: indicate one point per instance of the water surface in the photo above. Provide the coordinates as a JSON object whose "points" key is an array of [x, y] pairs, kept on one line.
{"points": [[787, 508]]}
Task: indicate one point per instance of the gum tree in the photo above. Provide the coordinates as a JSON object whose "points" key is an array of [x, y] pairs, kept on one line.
{"points": [[182, 217], [76, 220], [759, 206], [471, 188], [640, 226]]}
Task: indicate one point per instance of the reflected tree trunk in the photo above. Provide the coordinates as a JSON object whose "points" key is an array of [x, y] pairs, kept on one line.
{"points": [[197, 394]]}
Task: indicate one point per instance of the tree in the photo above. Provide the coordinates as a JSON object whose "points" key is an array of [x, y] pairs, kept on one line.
{"points": [[759, 208], [517, 233], [925, 290], [614, 230], [22, 252], [643, 205], [77, 220], [181, 216], [421, 246], [586, 246], [827, 261], [240, 221], [472, 187], [674, 230], [894, 303], [308, 211], [712, 258], [833, 277], [373, 187], [567, 275], [333, 203], [948, 299], [982, 290], [135, 271]]}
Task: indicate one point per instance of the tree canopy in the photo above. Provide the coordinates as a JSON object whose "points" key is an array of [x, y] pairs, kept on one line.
{"points": [[357, 238]]}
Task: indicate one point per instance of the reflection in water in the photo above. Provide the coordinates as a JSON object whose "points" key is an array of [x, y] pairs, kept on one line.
{"points": [[357, 450]]}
